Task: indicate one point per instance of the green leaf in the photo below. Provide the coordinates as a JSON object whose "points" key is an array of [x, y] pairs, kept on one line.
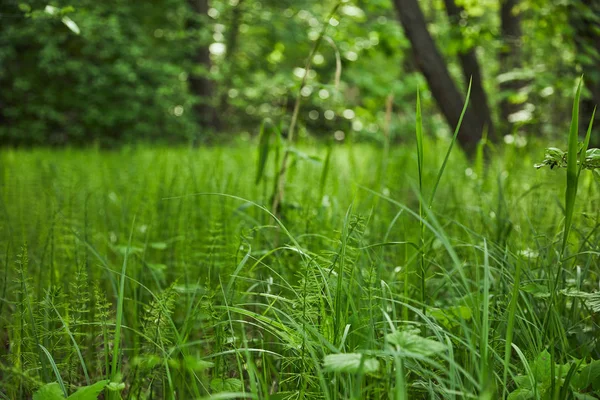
{"points": [[521, 394], [50, 391], [537, 290], [350, 363], [71, 25], [24, 7], [52, 10], [226, 385], [572, 174], [589, 375], [89, 392], [158, 245], [415, 344], [541, 367]]}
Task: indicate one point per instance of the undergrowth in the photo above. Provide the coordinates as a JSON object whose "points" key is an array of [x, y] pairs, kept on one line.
{"points": [[164, 274]]}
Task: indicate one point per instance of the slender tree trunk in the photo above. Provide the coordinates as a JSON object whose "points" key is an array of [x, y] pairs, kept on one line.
{"points": [[584, 18], [471, 72], [432, 65], [200, 85], [510, 57], [231, 42]]}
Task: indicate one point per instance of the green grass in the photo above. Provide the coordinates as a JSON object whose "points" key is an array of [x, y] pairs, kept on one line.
{"points": [[165, 273]]}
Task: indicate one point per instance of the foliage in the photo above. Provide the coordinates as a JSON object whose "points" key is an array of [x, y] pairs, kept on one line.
{"points": [[118, 72], [52, 391]]}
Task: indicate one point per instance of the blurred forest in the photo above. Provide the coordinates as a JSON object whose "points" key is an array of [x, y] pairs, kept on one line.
{"points": [[197, 71]]}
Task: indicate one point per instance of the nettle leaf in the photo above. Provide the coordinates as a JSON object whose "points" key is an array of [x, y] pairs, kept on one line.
{"points": [[51, 391], [89, 392], [226, 385], [350, 363], [413, 343]]}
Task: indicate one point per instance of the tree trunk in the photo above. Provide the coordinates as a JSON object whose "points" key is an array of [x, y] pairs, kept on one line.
{"points": [[432, 65], [231, 46], [471, 72], [510, 58], [200, 85], [583, 16]]}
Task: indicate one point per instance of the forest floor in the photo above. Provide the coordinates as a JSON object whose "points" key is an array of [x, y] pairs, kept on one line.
{"points": [[159, 273]]}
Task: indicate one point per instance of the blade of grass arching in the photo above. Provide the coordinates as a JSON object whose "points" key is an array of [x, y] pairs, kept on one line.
{"points": [[55, 369], [458, 125], [512, 310], [114, 372], [77, 350], [228, 293]]}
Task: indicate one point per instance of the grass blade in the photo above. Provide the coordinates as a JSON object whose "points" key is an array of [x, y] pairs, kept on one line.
{"points": [[119, 321], [55, 369], [443, 167], [572, 174]]}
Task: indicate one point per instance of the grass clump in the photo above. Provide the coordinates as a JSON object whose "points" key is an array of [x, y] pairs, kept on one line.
{"points": [[164, 274]]}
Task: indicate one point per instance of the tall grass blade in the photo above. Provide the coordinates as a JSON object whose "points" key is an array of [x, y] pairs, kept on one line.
{"points": [[443, 167], [572, 174], [55, 369], [115, 367]]}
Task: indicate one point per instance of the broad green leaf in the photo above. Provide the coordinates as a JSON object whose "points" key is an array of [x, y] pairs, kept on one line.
{"points": [[536, 289], [521, 394], [413, 343], [50, 391], [89, 392], [541, 367], [350, 363], [589, 375], [226, 385]]}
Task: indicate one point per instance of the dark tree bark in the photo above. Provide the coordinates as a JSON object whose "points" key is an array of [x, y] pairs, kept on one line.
{"points": [[471, 72], [231, 42], [584, 16], [432, 65], [200, 85], [510, 56]]}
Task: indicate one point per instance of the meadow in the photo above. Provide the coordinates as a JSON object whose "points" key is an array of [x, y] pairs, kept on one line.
{"points": [[162, 273]]}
